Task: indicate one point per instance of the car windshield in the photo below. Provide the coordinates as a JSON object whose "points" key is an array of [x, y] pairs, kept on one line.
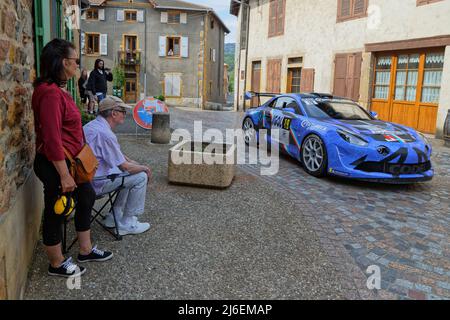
{"points": [[335, 109]]}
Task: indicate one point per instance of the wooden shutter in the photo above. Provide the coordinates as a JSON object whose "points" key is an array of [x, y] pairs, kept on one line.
{"points": [[183, 18], [168, 85], [184, 47], [176, 85], [164, 17], [280, 17], [307, 80], [344, 8], [274, 76], [140, 16], [120, 15], [82, 40], [357, 58], [359, 7], [162, 46], [347, 75], [104, 44], [340, 75], [272, 18]]}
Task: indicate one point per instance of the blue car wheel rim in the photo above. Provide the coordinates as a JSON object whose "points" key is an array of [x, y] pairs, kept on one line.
{"points": [[249, 130], [313, 154]]}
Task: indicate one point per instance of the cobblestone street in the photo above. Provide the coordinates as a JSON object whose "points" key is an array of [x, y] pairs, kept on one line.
{"points": [[403, 229], [287, 236]]}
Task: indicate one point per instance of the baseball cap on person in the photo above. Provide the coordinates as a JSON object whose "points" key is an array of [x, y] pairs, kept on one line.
{"points": [[111, 102]]}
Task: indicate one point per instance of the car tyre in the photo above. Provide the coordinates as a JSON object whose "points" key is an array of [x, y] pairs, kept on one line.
{"points": [[314, 156], [247, 127]]}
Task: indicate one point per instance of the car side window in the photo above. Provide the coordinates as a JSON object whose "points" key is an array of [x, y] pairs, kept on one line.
{"points": [[281, 103], [273, 103], [288, 103]]}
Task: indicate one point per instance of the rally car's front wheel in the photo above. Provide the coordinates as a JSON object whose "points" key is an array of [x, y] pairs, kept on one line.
{"points": [[249, 130], [314, 156]]}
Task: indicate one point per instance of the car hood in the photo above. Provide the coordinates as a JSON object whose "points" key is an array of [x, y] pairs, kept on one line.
{"points": [[376, 130]]}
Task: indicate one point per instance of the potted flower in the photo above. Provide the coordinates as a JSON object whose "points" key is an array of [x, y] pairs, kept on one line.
{"points": [[118, 81]]}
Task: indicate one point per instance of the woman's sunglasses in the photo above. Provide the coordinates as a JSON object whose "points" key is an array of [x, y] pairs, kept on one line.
{"points": [[77, 60]]}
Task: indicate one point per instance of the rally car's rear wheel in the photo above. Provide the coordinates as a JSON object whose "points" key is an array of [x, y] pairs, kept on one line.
{"points": [[314, 156], [249, 130]]}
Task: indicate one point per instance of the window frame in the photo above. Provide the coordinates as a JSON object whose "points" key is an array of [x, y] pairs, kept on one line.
{"points": [[129, 11], [168, 38], [86, 43], [172, 13], [92, 11], [352, 15], [274, 13]]}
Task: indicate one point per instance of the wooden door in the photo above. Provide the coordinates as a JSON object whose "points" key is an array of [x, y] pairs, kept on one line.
{"points": [[130, 90], [256, 81], [406, 88]]}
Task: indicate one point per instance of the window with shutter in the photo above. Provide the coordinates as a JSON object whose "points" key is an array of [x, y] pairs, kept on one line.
{"points": [[276, 17], [351, 9], [92, 14], [174, 17], [92, 44]]}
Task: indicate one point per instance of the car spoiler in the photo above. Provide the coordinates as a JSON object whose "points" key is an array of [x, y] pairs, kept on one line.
{"points": [[252, 94]]}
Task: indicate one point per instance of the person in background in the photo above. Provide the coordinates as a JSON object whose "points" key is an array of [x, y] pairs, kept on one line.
{"points": [[82, 84], [59, 131], [98, 80]]}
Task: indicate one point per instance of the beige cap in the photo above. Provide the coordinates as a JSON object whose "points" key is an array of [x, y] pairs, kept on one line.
{"points": [[111, 102]]}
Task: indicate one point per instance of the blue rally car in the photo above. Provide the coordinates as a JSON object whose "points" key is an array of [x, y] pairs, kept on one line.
{"points": [[335, 136]]}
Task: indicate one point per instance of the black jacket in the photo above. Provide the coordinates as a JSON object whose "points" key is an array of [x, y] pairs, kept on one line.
{"points": [[81, 87], [98, 82]]}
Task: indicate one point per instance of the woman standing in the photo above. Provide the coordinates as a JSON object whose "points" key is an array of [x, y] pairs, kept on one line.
{"points": [[82, 83], [98, 80], [58, 128]]}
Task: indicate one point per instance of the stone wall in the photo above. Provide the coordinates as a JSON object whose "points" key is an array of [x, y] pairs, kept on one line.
{"points": [[16, 116], [20, 192]]}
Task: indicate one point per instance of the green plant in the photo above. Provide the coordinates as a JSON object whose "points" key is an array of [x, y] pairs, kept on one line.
{"points": [[85, 117], [160, 97], [118, 77]]}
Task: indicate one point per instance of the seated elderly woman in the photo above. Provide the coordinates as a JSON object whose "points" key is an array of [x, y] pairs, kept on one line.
{"points": [[101, 138]]}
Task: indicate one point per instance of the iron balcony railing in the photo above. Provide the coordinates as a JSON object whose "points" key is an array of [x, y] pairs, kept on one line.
{"points": [[127, 57]]}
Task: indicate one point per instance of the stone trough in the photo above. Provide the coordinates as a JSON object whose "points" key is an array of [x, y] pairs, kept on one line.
{"points": [[202, 164]]}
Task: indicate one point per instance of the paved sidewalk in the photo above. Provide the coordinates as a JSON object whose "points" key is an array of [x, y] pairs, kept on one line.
{"points": [[238, 243]]}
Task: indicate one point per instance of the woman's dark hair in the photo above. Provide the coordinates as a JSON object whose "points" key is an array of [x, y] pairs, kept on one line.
{"points": [[52, 62], [97, 62]]}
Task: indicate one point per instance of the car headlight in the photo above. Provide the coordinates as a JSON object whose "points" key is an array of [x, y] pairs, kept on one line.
{"points": [[353, 139], [422, 136]]}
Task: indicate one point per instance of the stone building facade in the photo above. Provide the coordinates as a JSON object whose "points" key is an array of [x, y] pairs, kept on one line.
{"points": [[174, 48], [21, 195], [393, 57]]}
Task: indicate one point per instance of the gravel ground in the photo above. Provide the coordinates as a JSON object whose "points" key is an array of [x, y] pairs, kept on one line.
{"points": [[238, 243]]}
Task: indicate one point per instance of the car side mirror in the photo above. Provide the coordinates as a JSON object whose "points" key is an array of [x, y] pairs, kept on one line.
{"points": [[248, 95], [374, 114]]}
